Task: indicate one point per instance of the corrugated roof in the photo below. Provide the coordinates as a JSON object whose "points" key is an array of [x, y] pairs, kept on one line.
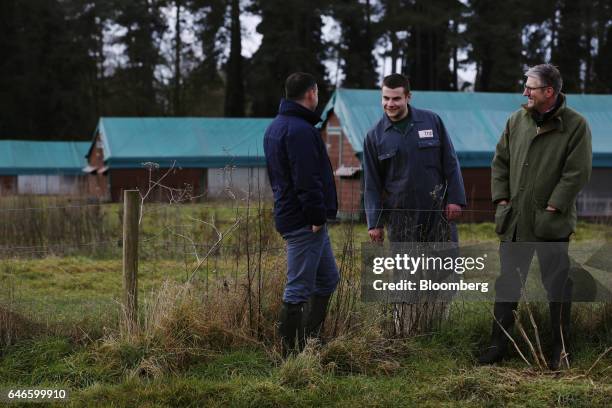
{"points": [[38, 157], [191, 142], [474, 120]]}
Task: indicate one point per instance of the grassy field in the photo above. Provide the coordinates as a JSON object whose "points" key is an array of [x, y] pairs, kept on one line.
{"points": [[363, 370], [210, 340]]}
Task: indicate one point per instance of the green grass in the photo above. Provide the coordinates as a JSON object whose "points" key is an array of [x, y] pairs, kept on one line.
{"points": [[431, 374], [76, 301]]}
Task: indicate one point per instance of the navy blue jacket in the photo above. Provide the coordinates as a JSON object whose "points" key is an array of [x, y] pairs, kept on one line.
{"points": [[415, 170], [299, 169]]}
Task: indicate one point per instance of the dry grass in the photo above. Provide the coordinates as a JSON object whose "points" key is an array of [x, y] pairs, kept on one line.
{"points": [[15, 327], [35, 227], [182, 323], [368, 351]]}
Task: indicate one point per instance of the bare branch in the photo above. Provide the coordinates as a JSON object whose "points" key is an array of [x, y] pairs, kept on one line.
{"points": [[193, 244], [150, 166], [512, 340], [602, 355], [214, 247], [519, 326]]}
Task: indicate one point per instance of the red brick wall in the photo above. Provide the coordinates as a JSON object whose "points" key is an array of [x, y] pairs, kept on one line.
{"points": [[348, 154], [8, 185], [478, 193], [127, 179], [97, 184], [350, 195], [341, 153], [332, 142], [96, 158]]}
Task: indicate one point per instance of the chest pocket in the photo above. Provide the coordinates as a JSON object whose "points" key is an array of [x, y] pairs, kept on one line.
{"points": [[429, 152], [386, 163], [388, 155]]}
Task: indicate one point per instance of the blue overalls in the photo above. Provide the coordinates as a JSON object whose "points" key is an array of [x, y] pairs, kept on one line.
{"points": [[410, 177]]}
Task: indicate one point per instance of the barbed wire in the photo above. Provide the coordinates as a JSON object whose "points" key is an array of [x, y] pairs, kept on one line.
{"points": [[75, 245], [157, 207], [59, 207]]}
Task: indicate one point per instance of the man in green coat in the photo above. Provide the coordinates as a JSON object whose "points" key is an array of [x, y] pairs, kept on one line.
{"points": [[542, 161]]}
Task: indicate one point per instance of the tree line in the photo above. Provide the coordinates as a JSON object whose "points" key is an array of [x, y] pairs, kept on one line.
{"points": [[65, 63]]}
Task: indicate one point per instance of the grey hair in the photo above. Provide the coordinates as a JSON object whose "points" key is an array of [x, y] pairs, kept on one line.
{"points": [[548, 75]]}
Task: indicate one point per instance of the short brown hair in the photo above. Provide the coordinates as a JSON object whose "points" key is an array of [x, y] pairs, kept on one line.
{"points": [[396, 81], [297, 84]]}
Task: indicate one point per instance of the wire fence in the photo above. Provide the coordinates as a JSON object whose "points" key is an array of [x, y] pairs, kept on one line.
{"points": [[61, 262]]}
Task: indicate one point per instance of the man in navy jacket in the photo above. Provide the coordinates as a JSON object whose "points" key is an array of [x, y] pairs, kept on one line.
{"points": [[304, 198]]}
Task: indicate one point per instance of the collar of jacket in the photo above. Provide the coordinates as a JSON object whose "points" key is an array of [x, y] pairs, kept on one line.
{"points": [[553, 122], [290, 108], [413, 113]]}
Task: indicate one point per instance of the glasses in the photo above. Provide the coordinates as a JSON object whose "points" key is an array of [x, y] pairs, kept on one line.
{"points": [[531, 89]]}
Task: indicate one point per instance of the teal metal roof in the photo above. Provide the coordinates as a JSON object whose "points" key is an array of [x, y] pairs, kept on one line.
{"points": [[474, 120], [191, 142], [34, 157]]}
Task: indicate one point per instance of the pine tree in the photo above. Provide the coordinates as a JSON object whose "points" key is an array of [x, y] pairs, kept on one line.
{"points": [[429, 48], [134, 87], [291, 42], [47, 72], [356, 43], [495, 36], [569, 52], [204, 89], [234, 81]]}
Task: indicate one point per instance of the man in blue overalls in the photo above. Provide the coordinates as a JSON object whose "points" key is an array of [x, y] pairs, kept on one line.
{"points": [[413, 183]]}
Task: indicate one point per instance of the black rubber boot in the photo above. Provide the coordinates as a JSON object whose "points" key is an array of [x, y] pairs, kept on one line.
{"points": [[317, 311], [560, 320], [291, 328], [499, 341]]}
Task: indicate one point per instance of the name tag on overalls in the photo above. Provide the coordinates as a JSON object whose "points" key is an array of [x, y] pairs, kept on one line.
{"points": [[425, 134]]}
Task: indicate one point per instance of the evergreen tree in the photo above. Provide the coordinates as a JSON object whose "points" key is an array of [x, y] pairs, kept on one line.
{"points": [[134, 88], [537, 32], [602, 81], [46, 72], [204, 90], [234, 81], [356, 43], [291, 42], [494, 32], [177, 108], [429, 47], [395, 19], [569, 52]]}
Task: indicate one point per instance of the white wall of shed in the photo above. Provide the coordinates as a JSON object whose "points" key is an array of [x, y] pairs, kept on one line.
{"points": [[43, 184], [237, 182]]}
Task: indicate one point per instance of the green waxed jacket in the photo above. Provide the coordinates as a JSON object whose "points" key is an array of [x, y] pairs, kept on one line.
{"points": [[538, 166]]}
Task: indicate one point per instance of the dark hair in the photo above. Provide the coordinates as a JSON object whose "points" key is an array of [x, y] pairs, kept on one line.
{"points": [[297, 84], [548, 75], [395, 81]]}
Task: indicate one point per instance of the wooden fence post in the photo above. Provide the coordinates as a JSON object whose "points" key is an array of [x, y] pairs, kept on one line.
{"points": [[131, 210]]}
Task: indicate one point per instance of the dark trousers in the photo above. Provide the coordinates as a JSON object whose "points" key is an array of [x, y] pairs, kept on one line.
{"points": [[515, 258]]}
